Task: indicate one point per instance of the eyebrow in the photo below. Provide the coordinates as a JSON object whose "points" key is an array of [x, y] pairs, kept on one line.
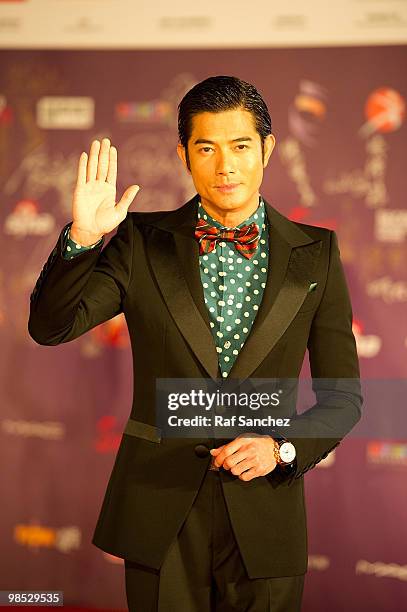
{"points": [[204, 141]]}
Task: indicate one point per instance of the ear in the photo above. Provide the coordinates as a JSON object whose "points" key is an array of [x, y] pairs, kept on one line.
{"points": [[269, 144], [181, 154]]}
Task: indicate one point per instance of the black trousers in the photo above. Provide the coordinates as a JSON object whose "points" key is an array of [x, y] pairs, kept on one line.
{"points": [[203, 570]]}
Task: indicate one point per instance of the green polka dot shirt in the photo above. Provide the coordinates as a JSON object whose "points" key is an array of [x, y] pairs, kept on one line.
{"points": [[233, 285]]}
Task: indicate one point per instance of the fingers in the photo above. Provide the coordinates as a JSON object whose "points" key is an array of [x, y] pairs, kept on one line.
{"points": [[103, 161], [98, 163], [243, 466], [101, 165], [228, 449], [237, 458], [83, 162], [112, 171], [93, 161], [249, 474]]}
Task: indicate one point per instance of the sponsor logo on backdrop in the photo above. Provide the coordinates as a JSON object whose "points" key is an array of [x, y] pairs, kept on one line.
{"points": [[149, 111], [385, 110], [161, 111], [386, 453], [380, 19], [367, 183], [47, 430], [35, 536], [387, 289], [64, 112], [184, 23], [367, 345], [390, 225], [26, 220], [308, 111], [290, 21], [293, 159], [84, 25], [305, 114], [381, 570]]}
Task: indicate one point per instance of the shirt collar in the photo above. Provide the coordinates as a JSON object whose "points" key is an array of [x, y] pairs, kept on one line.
{"points": [[258, 217]]}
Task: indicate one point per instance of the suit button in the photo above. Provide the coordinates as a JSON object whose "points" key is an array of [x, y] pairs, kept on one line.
{"points": [[201, 450]]}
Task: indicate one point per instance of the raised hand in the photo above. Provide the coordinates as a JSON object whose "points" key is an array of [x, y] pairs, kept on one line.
{"points": [[94, 208]]}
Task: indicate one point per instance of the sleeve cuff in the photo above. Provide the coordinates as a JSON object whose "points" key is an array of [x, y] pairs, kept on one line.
{"points": [[71, 248]]}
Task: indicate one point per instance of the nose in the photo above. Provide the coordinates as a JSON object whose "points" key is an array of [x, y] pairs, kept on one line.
{"points": [[225, 164]]}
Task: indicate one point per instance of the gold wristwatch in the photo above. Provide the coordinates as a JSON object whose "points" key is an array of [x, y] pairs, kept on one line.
{"points": [[284, 451]]}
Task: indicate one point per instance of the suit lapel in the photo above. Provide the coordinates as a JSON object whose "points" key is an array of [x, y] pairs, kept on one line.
{"points": [[174, 255], [288, 279]]}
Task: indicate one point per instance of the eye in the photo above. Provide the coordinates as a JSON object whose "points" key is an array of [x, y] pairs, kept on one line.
{"points": [[242, 145], [206, 148]]}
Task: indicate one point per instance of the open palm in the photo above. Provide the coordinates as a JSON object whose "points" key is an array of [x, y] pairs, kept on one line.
{"points": [[94, 207]]}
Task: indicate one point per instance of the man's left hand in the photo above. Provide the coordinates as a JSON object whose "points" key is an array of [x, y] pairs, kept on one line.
{"points": [[247, 456]]}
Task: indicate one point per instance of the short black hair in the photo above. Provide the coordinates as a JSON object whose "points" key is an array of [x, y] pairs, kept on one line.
{"points": [[217, 94]]}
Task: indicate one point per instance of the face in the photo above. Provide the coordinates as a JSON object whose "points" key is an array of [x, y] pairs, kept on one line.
{"points": [[225, 149]]}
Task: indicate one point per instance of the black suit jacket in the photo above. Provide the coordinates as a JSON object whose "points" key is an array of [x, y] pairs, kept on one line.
{"points": [[149, 270]]}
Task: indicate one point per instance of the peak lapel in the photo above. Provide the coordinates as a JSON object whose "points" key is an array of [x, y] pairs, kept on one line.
{"points": [[292, 258], [174, 255]]}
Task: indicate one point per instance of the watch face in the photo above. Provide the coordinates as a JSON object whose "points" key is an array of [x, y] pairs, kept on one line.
{"points": [[287, 452]]}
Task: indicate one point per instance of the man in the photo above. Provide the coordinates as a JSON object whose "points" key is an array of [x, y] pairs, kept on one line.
{"points": [[225, 287]]}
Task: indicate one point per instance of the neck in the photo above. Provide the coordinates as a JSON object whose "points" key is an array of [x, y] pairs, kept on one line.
{"points": [[231, 218]]}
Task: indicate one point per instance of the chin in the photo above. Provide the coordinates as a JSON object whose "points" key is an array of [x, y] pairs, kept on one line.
{"points": [[229, 202], [229, 197]]}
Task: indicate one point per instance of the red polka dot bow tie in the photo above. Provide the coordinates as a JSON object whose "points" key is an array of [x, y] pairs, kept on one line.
{"points": [[245, 238]]}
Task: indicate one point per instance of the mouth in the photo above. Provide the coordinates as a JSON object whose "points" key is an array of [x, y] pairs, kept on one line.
{"points": [[227, 188]]}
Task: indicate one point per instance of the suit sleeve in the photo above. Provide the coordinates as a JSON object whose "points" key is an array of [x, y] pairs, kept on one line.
{"points": [[335, 373], [71, 296]]}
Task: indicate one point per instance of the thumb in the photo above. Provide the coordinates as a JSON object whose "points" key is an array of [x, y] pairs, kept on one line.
{"points": [[127, 199]]}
